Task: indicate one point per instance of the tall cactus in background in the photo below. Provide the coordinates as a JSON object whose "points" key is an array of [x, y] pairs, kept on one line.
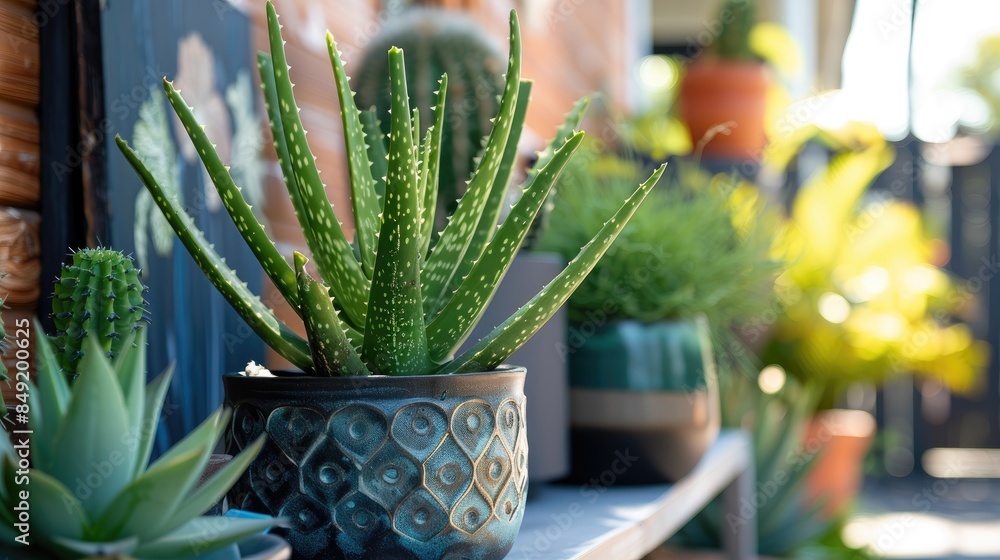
{"points": [[388, 305], [99, 292], [438, 41]]}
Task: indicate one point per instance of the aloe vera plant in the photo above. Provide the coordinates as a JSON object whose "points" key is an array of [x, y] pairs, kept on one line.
{"points": [[91, 487], [390, 304]]}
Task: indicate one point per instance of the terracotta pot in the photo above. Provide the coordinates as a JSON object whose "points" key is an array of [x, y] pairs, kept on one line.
{"points": [[842, 438], [714, 92]]}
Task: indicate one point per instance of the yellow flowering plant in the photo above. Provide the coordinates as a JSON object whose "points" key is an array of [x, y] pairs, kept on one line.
{"points": [[863, 298]]}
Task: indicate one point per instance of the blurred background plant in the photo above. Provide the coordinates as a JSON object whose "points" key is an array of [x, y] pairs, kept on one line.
{"points": [[703, 245], [788, 525], [981, 77], [658, 129], [864, 297]]}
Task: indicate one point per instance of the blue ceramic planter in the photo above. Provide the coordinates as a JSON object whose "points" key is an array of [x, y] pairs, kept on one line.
{"points": [[385, 467]]}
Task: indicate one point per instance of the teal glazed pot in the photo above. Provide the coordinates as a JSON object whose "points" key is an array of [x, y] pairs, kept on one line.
{"points": [[385, 467], [644, 401]]}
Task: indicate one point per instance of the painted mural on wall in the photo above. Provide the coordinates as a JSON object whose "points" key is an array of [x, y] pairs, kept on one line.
{"points": [[206, 51]]}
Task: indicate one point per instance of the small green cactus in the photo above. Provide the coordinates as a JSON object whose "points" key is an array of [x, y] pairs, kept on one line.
{"points": [[99, 292], [436, 42], [388, 305]]}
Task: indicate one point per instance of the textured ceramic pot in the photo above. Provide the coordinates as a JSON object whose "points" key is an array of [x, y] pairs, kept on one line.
{"points": [[547, 388], [644, 401], [385, 467]]}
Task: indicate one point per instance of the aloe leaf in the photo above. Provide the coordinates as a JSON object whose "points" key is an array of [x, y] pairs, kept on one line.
{"points": [[510, 335], [395, 342], [156, 392], [378, 150], [51, 396], [263, 322], [415, 131], [201, 535], [142, 507], [209, 493], [239, 210], [424, 159], [432, 156], [571, 123], [329, 246], [363, 199], [333, 353], [265, 67], [498, 193], [451, 246], [55, 511], [458, 317], [89, 439]]}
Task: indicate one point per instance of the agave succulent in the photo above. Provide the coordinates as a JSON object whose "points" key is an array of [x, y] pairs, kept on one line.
{"points": [[390, 303], [91, 489]]}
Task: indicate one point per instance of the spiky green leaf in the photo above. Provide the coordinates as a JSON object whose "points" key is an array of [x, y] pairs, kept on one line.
{"points": [[333, 353], [395, 341], [451, 247], [261, 319], [571, 123], [239, 210], [498, 193], [510, 335], [458, 317], [432, 156], [265, 67], [334, 256], [378, 151], [363, 198]]}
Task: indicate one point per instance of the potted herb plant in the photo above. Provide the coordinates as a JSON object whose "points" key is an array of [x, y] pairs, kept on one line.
{"points": [[386, 444], [91, 487], [693, 261]]}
